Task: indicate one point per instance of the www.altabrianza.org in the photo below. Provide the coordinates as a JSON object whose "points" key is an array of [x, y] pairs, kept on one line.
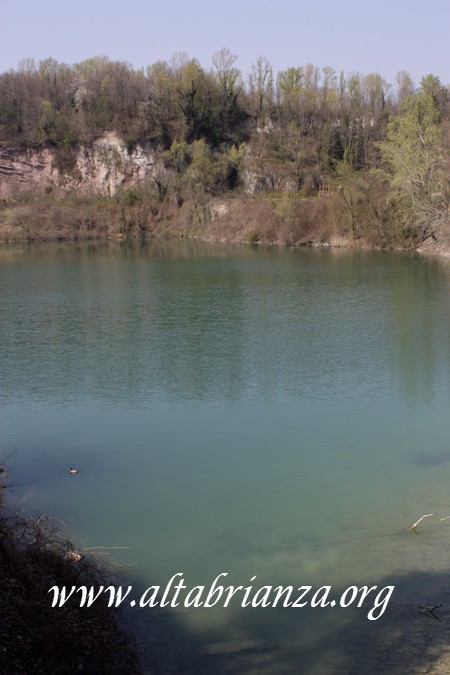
{"points": [[176, 593]]}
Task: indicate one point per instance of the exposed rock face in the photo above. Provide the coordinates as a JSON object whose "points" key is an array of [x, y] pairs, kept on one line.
{"points": [[25, 170], [104, 167], [108, 165]]}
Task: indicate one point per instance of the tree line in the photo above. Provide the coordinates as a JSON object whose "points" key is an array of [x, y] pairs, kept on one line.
{"points": [[382, 149]]}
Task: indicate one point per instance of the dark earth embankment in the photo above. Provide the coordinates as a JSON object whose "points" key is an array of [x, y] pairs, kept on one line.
{"points": [[36, 638]]}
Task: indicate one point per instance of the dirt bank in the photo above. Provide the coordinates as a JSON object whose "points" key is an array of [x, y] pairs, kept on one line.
{"points": [[36, 638]]}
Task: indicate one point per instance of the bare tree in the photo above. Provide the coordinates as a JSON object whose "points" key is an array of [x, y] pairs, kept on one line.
{"points": [[261, 85], [227, 76], [404, 86]]}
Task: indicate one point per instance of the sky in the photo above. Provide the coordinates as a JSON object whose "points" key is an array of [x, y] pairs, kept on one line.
{"points": [[383, 36]]}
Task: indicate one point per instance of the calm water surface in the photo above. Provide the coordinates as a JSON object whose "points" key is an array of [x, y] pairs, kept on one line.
{"points": [[278, 413]]}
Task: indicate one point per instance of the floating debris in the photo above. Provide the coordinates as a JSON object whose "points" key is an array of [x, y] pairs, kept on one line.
{"points": [[427, 515], [430, 610]]}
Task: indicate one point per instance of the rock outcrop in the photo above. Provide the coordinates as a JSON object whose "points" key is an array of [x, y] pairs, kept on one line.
{"points": [[104, 167]]}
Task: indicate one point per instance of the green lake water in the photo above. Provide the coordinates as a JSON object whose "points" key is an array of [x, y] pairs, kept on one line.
{"points": [[263, 412]]}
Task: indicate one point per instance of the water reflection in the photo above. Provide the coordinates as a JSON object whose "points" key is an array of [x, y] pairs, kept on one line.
{"points": [[114, 322]]}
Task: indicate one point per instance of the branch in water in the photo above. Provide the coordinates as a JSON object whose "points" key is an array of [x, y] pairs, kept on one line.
{"points": [[427, 515]]}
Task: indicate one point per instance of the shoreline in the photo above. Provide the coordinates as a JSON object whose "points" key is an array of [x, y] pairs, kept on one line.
{"points": [[35, 555], [238, 220]]}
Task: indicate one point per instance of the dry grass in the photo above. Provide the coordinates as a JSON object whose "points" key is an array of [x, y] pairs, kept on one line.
{"points": [[268, 219], [338, 240], [291, 219], [36, 638]]}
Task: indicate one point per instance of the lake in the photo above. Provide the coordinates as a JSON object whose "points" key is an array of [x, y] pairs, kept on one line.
{"points": [[276, 414]]}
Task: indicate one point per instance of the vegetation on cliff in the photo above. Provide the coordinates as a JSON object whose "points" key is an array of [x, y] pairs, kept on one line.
{"points": [[378, 154]]}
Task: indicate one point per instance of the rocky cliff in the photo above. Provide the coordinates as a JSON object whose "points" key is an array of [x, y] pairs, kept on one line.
{"points": [[109, 165], [104, 167]]}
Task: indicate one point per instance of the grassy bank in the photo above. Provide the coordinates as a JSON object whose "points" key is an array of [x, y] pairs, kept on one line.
{"points": [[280, 218], [36, 638], [265, 218]]}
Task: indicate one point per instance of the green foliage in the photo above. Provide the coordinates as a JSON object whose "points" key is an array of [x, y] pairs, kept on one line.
{"points": [[355, 146], [290, 80], [201, 173], [130, 197], [229, 167], [9, 117], [330, 147], [431, 85], [197, 114], [210, 108], [412, 147], [49, 121], [414, 153], [179, 156]]}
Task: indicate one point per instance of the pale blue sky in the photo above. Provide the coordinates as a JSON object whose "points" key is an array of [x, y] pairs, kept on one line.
{"points": [[382, 36]]}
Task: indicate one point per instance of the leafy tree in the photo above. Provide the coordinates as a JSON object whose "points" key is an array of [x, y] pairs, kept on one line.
{"points": [[229, 167], [200, 175], [331, 147], [196, 106], [414, 153], [159, 108], [430, 84]]}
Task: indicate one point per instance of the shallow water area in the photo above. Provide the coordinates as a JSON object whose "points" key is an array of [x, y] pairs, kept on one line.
{"points": [[272, 413]]}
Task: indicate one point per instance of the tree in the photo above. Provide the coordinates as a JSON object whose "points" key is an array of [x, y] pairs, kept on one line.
{"points": [[405, 86], [414, 152], [227, 76], [330, 147], [230, 113], [289, 82], [329, 87], [159, 108], [374, 92], [196, 106], [289, 85], [261, 86], [354, 93], [203, 112], [310, 99], [430, 84]]}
